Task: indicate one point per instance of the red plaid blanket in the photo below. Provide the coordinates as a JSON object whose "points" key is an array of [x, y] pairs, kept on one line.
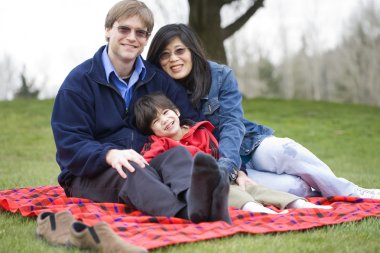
{"points": [[153, 232]]}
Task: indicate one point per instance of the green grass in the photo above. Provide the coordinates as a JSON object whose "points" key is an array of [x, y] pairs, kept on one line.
{"points": [[346, 137]]}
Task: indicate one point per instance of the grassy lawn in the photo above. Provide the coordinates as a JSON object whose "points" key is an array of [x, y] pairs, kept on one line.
{"points": [[346, 137]]}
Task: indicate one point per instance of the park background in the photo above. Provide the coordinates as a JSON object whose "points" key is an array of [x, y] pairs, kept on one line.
{"points": [[289, 52], [290, 49]]}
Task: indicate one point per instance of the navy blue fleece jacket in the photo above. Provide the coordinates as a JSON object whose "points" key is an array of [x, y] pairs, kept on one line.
{"points": [[89, 116]]}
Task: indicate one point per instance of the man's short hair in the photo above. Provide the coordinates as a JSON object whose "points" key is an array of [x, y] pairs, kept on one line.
{"points": [[127, 9]]}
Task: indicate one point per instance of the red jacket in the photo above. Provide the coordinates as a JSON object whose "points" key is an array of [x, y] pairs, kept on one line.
{"points": [[199, 138]]}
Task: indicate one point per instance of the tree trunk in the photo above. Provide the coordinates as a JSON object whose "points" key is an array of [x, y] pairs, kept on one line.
{"points": [[204, 19]]}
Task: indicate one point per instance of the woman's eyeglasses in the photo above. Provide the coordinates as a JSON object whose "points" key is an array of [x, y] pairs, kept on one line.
{"points": [[126, 30], [177, 52]]}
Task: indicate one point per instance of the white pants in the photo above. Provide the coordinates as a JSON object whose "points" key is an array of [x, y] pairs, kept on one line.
{"points": [[285, 165]]}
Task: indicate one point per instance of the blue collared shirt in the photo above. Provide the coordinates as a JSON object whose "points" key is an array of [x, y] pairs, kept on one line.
{"points": [[124, 88]]}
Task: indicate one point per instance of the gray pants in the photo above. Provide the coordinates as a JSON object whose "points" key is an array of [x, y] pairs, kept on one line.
{"points": [[155, 190]]}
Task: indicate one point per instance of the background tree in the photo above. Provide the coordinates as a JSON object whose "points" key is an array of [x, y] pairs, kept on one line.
{"points": [[360, 52], [8, 73], [205, 19], [27, 89], [348, 72]]}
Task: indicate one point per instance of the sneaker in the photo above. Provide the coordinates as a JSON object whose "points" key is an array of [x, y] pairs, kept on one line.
{"points": [[366, 193], [100, 237], [54, 227]]}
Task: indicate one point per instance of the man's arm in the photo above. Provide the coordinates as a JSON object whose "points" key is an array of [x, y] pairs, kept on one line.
{"points": [[74, 127]]}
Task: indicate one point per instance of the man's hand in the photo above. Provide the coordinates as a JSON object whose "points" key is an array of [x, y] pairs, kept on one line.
{"points": [[243, 180], [118, 159]]}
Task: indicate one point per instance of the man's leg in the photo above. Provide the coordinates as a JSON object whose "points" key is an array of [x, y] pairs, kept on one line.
{"points": [[159, 189], [174, 168], [102, 188], [145, 190], [207, 197], [142, 189], [180, 189]]}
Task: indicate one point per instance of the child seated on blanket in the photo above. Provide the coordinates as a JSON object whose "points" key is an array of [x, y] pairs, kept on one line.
{"points": [[158, 117]]}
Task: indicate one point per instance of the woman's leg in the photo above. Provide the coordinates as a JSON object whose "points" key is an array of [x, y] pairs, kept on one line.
{"points": [[281, 182], [284, 156]]}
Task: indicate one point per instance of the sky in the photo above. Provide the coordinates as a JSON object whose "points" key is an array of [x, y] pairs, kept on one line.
{"points": [[50, 37]]}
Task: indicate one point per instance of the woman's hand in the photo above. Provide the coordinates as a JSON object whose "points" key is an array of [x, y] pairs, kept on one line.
{"points": [[243, 180], [118, 159]]}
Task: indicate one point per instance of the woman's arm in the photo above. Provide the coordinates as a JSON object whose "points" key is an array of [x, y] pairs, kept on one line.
{"points": [[231, 128]]}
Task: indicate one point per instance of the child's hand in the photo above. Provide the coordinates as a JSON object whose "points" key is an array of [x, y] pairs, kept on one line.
{"points": [[243, 180]]}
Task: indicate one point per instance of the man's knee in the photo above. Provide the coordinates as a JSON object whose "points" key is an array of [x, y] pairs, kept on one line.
{"points": [[178, 156], [178, 151]]}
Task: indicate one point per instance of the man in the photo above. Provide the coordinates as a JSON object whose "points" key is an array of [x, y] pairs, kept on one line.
{"points": [[93, 122]]}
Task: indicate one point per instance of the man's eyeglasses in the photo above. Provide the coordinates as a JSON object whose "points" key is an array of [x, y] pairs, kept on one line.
{"points": [[178, 52], [126, 30]]}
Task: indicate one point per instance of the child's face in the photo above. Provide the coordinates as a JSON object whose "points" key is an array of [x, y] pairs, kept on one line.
{"points": [[166, 124]]}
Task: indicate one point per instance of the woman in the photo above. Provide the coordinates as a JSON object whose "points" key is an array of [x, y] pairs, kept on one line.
{"points": [[278, 163]]}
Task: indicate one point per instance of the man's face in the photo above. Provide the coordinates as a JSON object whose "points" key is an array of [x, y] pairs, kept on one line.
{"points": [[126, 40]]}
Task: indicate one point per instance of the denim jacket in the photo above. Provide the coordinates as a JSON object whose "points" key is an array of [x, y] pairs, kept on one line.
{"points": [[237, 136]]}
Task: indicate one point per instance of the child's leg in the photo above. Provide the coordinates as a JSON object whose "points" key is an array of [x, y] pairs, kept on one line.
{"points": [[238, 197], [279, 199], [241, 199], [302, 203], [255, 207], [268, 196]]}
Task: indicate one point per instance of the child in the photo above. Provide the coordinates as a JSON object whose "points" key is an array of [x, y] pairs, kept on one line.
{"points": [[158, 117]]}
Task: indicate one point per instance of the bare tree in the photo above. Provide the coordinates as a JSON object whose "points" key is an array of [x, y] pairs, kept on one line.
{"points": [[205, 19], [361, 50], [27, 89], [352, 70], [8, 77]]}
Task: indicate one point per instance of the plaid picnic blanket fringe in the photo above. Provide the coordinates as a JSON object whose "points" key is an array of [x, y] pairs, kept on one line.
{"points": [[153, 231]]}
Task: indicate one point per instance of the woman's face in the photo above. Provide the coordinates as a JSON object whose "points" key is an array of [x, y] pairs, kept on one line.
{"points": [[176, 59]]}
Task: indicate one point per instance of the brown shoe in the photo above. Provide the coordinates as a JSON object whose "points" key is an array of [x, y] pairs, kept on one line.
{"points": [[54, 227], [100, 237]]}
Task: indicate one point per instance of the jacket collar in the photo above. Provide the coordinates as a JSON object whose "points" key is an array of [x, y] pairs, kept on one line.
{"points": [[98, 73]]}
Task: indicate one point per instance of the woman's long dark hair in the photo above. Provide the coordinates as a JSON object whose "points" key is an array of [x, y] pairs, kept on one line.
{"points": [[198, 82]]}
